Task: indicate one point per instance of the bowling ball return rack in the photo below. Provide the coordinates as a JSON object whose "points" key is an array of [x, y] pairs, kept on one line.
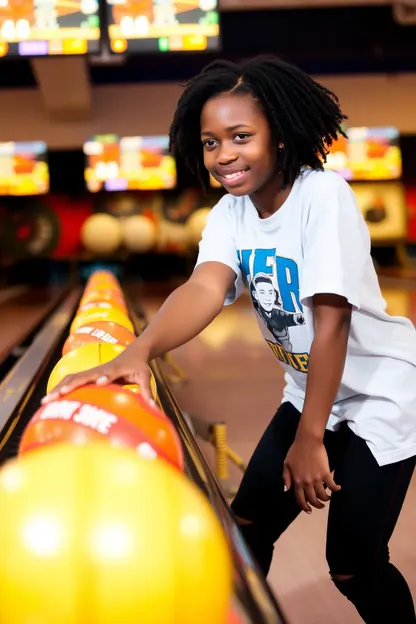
{"points": [[21, 392]]}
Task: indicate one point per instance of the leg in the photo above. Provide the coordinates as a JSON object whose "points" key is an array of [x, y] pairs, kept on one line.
{"points": [[263, 509], [362, 518]]}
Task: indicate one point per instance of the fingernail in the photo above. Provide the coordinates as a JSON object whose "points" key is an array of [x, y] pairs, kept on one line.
{"points": [[152, 402], [102, 380], [285, 488]]}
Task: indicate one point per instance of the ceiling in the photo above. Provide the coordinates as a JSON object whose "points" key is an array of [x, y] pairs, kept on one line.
{"points": [[348, 38]]}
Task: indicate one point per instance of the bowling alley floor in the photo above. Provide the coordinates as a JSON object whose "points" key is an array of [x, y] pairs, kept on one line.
{"points": [[233, 376]]}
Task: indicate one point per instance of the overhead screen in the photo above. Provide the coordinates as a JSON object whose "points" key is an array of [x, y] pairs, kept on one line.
{"points": [[163, 25], [129, 163], [368, 154], [23, 168], [49, 27]]}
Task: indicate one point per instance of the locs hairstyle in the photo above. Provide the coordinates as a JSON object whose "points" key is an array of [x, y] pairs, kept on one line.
{"points": [[303, 115]]}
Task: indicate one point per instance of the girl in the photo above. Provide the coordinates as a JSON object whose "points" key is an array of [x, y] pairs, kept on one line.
{"points": [[347, 421]]}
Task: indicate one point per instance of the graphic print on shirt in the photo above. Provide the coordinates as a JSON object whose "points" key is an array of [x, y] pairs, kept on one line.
{"points": [[274, 288]]}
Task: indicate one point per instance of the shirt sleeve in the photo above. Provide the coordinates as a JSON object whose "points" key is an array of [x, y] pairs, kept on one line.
{"points": [[336, 242], [218, 244]]}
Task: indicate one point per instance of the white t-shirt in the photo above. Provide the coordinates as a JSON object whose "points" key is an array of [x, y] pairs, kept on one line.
{"points": [[318, 242]]}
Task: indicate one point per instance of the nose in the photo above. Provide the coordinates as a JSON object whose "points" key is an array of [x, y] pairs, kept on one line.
{"points": [[226, 155]]}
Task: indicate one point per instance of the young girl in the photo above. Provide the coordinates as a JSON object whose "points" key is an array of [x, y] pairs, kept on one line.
{"points": [[294, 235]]}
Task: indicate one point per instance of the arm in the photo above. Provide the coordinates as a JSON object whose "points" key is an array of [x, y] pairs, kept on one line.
{"points": [[337, 250], [332, 316], [306, 466], [187, 311]]}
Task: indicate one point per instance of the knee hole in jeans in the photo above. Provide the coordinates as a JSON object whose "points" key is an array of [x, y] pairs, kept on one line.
{"points": [[339, 578], [242, 521]]}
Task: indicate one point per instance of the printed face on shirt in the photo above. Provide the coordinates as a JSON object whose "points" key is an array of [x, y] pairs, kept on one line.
{"points": [[237, 143], [265, 294]]}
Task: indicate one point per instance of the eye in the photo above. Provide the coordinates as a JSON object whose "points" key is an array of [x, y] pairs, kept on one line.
{"points": [[242, 136], [209, 143]]}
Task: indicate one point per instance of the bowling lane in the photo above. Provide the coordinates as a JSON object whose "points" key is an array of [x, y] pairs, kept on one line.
{"points": [[233, 376], [22, 312]]}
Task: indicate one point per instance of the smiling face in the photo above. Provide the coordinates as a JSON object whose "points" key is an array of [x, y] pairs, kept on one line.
{"points": [[265, 294], [237, 144]]}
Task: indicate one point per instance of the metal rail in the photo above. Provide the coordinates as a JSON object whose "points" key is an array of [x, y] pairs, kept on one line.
{"points": [[17, 387]]}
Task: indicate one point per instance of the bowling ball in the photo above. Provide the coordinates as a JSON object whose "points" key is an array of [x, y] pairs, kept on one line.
{"points": [[102, 274], [100, 331], [155, 427], [101, 234], [97, 534], [89, 414], [82, 359], [153, 387], [103, 285], [103, 295], [102, 305], [97, 314]]}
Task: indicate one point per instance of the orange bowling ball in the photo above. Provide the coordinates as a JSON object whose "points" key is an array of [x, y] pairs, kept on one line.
{"points": [[98, 314], [99, 331], [108, 412], [112, 296], [136, 388], [103, 288], [102, 305], [84, 358], [102, 276]]}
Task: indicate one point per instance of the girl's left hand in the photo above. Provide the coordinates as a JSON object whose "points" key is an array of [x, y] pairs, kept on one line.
{"points": [[306, 468]]}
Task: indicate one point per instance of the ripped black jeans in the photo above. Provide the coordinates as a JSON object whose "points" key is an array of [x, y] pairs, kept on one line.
{"points": [[362, 515]]}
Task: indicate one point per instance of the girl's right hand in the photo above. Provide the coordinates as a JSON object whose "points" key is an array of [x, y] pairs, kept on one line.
{"points": [[128, 368]]}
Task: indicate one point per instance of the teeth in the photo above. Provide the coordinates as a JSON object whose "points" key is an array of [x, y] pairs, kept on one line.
{"points": [[231, 176]]}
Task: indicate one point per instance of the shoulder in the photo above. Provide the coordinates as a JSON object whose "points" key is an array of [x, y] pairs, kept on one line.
{"points": [[317, 183], [226, 210]]}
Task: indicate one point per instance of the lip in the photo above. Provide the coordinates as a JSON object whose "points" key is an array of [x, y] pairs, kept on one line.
{"points": [[237, 176]]}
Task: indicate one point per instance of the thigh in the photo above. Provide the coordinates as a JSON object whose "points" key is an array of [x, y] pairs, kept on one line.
{"points": [[363, 514], [261, 497]]}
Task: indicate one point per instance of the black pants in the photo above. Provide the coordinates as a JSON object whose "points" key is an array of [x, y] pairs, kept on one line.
{"points": [[362, 515]]}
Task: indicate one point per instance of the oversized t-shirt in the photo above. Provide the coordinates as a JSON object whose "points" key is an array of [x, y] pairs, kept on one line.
{"points": [[318, 242]]}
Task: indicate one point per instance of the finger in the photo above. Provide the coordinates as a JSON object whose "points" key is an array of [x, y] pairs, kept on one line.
{"points": [[287, 478], [311, 496], [300, 498], [145, 390], [320, 492], [71, 382], [330, 483]]}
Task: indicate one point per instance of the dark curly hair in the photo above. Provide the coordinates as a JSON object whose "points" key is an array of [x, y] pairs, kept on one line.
{"points": [[302, 114]]}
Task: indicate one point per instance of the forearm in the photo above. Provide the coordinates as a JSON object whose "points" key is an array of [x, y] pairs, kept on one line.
{"points": [[185, 313], [325, 370]]}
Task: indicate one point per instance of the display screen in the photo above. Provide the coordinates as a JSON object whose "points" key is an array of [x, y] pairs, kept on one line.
{"points": [[163, 25], [368, 154], [49, 27], [23, 168], [129, 163]]}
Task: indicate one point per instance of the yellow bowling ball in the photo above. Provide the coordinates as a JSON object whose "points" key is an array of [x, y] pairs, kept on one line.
{"points": [[98, 535], [153, 387], [100, 314], [88, 356]]}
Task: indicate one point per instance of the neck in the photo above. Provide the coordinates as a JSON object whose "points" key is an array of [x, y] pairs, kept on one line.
{"points": [[271, 197]]}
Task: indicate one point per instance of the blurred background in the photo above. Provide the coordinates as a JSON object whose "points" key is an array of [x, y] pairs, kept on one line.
{"points": [[88, 89]]}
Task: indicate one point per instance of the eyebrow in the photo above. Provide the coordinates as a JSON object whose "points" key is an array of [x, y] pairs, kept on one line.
{"points": [[229, 129]]}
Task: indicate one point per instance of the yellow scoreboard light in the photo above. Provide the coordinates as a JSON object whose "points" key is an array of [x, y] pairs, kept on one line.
{"points": [[49, 28], [23, 168], [168, 26]]}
